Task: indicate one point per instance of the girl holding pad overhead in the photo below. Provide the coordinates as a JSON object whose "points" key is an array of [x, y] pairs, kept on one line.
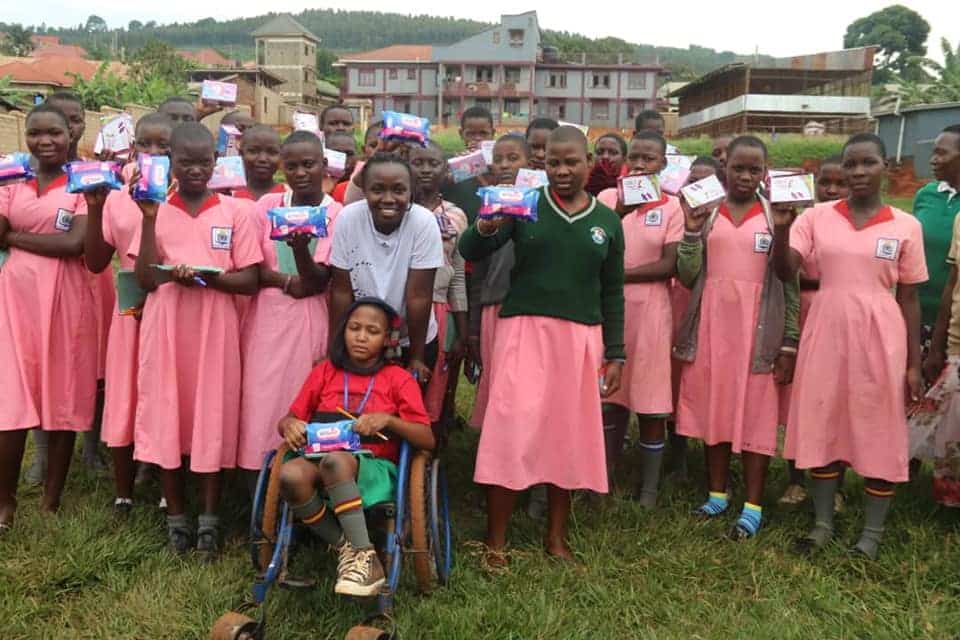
{"points": [[285, 331], [738, 336], [651, 234], [113, 223], [560, 330], [865, 336], [48, 342], [189, 367]]}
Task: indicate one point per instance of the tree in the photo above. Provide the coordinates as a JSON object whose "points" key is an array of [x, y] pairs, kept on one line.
{"points": [[325, 60], [901, 34], [17, 42], [946, 88], [158, 59], [96, 24], [134, 25], [105, 89]]}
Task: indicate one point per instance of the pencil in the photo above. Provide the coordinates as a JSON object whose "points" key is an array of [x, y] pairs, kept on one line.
{"points": [[346, 413]]}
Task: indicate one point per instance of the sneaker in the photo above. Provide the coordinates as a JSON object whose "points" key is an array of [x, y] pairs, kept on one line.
{"points": [[122, 509], [179, 540], [359, 572], [794, 495], [208, 545]]}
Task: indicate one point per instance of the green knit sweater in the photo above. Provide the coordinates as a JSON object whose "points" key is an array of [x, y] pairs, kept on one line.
{"points": [[567, 266]]}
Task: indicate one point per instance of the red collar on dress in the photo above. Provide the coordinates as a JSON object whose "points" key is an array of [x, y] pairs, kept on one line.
{"points": [[664, 199], [177, 201], [884, 214], [59, 181], [244, 192], [755, 210]]}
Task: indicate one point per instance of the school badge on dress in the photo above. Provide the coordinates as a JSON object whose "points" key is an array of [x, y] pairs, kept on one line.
{"points": [[654, 218], [887, 248], [598, 235], [221, 237], [762, 242], [64, 220]]}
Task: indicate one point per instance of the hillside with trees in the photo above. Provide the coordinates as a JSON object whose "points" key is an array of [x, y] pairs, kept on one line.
{"points": [[351, 31]]}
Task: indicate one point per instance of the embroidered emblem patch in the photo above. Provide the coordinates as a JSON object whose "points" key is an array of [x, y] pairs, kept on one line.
{"points": [[221, 237], [598, 235], [654, 218], [64, 220], [887, 248], [762, 242]]}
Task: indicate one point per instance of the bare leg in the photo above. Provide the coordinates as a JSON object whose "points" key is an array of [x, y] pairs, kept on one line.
{"points": [[61, 453], [11, 455], [755, 467], [124, 471], [500, 503], [210, 491], [557, 514], [718, 466], [173, 491]]}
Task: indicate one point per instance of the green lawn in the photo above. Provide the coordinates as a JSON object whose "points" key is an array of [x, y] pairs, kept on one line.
{"points": [[660, 574]]}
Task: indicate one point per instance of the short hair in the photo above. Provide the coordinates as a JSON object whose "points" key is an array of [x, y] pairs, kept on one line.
{"points": [[616, 138], [832, 159], [338, 355], [747, 141], [705, 161], [374, 125], [153, 118], [871, 138], [646, 114], [647, 134], [301, 137], [187, 132], [65, 96], [173, 100], [954, 129], [46, 107], [334, 107], [476, 112], [263, 128], [516, 139], [230, 117], [382, 158], [548, 124], [569, 134]]}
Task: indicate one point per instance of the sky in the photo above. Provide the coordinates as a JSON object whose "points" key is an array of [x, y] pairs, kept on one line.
{"points": [[778, 29]]}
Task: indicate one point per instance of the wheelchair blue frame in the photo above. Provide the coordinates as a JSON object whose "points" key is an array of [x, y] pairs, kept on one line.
{"points": [[439, 529]]}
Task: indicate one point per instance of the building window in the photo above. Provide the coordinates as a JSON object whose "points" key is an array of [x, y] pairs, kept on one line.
{"points": [[637, 80], [411, 74], [511, 106], [600, 110], [484, 102], [601, 81], [260, 55], [266, 108], [367, 78], [511, 75], [557, 80], [393, 74], [557, 110], [516, 37], [496, 37], [306, 50], [485, 73]]}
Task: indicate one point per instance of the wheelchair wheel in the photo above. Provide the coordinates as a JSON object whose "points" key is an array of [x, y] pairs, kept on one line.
{"points": [[271, 513], [419, 525], [440, 528]]}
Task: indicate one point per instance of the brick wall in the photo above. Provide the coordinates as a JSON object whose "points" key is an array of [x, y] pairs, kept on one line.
{"points": [[11, 132]]}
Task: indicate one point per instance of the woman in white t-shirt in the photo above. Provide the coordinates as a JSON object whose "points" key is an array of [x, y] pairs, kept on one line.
{"points": [[388, 247]]}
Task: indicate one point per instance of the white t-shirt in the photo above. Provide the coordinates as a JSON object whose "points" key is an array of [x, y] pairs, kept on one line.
{"points": [[378, 263]]}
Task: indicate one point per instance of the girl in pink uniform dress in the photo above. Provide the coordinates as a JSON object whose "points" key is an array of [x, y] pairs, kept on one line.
{"points": [[188, 400], [450, 286], [738, 335], [286, 329], [651, 233], [48, 344], [861, 345], [831, 185], [113, 223]]}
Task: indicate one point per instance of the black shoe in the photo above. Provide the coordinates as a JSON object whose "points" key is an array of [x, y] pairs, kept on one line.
{"points": [[179, 540], [208, 545], [122, 510]]}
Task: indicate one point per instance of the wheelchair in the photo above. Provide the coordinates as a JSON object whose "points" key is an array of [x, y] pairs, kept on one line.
{"points": [[416, 523]]}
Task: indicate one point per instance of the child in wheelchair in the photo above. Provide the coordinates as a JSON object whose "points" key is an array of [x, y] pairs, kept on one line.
{"points": [[328, 494]]}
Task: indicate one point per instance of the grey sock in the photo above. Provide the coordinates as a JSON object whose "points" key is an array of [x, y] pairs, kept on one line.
{"points": [[874, 515], [345, 497], [822, 490], [651, 459], [178, 522], [40, 439], [319, 519], [208, 521], [90, 442]]}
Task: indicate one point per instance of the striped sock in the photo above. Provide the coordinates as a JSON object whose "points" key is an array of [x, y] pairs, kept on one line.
{"points": [[877, 504], [315, 515], [651, 459], [823, 488], [749, 521], [716, 504], [348, 508]]}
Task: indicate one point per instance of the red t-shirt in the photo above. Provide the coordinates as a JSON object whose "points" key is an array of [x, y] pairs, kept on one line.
{"points": [[394, 391], [340, 191]]}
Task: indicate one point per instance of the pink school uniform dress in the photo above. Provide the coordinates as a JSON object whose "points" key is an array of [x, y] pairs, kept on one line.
{"points": [[48, 341], [720, 399], [490, 317], [121, 220], [104, 301], [448, 285], [188, 383], [645, 387], [856, 332], [282, 339]]}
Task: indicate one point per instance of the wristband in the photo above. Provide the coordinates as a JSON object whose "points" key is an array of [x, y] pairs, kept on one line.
{"points": [[486, 235], [789, 350], [695, 235], [286, 283]]}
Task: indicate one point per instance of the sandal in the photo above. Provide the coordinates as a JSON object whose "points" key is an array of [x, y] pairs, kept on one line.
{"points": [[495, 561], [5, 528]]}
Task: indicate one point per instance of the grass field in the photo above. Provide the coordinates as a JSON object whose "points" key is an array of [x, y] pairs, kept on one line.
{"points": [[659, 574]]}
